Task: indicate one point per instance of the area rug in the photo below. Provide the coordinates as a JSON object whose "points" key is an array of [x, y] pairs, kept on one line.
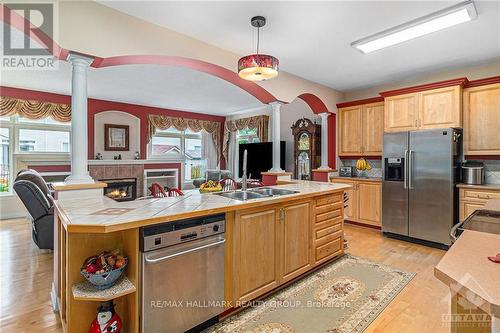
{"points": [[342, 297]]}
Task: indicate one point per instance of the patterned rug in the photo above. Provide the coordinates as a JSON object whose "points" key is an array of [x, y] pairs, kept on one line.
{"points": [[342, 297]]}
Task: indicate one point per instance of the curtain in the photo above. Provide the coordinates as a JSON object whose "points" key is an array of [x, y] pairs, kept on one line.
{"points": [[208, 150], [261, 123], [232, 161], [181, 124], [34, 109]]}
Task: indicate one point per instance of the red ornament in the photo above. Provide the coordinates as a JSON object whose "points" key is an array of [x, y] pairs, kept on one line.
{"points": [[107, 320]]}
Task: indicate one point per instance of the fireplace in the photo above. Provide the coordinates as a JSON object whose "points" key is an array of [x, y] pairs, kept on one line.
{"points": [[121, 189]]}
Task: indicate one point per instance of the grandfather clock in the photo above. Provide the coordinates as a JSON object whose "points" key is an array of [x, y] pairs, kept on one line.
{"points": [[307, 148]]}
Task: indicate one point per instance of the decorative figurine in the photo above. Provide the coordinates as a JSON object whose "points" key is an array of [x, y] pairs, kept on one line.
{"points": [[137, 156], [107, 320], [98, 156]]}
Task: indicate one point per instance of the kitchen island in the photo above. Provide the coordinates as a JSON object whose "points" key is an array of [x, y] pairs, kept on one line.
{"points": [[474, 281], [284, 236]]}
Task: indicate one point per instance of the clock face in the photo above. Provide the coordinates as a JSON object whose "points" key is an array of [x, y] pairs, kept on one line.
{"points": [[304, 142]]}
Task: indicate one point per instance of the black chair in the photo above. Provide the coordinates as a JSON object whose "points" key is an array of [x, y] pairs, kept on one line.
{"points": [[35, 195]]}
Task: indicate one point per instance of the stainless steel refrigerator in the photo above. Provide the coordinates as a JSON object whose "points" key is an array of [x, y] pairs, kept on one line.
{"points": [[419, 196]]}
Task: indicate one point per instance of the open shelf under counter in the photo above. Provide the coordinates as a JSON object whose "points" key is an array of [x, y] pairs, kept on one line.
{"points": [[85, 291]]}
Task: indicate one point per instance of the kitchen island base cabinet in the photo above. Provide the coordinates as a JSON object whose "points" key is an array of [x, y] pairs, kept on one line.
{"points": [[70, 254], [273, 246]]}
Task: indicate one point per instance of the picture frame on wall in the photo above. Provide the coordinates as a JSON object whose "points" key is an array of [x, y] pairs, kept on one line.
{"points": [[116, 137]]}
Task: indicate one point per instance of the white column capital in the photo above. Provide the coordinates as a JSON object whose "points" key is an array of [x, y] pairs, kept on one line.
{"points": [[79, 60]]}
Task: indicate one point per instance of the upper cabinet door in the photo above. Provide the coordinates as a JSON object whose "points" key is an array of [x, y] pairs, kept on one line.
{"points": [[373, 129], [401, 113], [482, 120], [350, 131], [441, 108]]}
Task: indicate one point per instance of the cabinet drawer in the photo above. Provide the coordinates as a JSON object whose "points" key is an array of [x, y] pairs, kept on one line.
{"points": [[329, 215], [328, 235], [327, 208], [481, 194], [329, 248], [328, 223], [329, 199]]}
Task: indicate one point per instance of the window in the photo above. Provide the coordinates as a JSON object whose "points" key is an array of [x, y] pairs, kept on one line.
{"points": [[180, 145], [29, 137], [247, 136], [5, 163], [43, 141]]}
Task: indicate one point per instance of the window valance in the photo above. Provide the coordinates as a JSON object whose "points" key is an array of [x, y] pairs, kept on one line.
{"points": [[34, 109], [261, 123], [181, 124]]}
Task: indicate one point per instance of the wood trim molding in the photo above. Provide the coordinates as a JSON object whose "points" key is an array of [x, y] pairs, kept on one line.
{"points": [[361, 102], [482, 157], [483, 82], [363, 224], [463, 81]]}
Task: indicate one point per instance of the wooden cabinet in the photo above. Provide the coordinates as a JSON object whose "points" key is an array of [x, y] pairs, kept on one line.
{"points": [[328, 237], [482, 120], [350, 131], [369, 202], [255, 253], [401, 113], [361, 130], [472, 198], [296, 240], [435, 108], [269, 247], [364, 203], [441, 108], [372, 129]]}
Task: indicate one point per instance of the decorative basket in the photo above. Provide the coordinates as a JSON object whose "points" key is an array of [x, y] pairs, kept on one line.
{"points": [[105, 280]]}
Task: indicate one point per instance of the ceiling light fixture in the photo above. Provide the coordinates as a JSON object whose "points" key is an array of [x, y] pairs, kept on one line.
{"points": [[258, 67], [448, 17]]}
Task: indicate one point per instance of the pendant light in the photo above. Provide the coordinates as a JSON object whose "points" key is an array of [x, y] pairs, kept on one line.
{"points": [[258, 67]]}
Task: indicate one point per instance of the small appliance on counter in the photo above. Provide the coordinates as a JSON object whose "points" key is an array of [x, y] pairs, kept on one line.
{"points": [[473, 173], [346, 171]]}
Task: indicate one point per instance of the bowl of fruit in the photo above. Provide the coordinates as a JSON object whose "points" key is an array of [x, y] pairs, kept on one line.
{"points": [[210, 186], [103, 270]]}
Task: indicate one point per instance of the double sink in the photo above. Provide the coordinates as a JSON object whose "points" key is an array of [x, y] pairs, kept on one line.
{"points": [[256, 193]]}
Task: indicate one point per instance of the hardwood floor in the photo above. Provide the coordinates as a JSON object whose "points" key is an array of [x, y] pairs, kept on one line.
{"points": [[26, 275]]}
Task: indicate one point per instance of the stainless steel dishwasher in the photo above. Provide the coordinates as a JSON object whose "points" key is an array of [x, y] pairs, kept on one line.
{"points": [[182, 275]]}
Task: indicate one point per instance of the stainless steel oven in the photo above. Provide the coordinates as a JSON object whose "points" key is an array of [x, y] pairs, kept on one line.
{"points": [[482, 220], [182, 275]]}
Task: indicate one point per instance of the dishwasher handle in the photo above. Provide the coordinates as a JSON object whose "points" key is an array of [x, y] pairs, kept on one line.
{"points": [[177, 254]]}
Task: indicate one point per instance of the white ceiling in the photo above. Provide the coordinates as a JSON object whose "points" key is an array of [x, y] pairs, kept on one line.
{"points": [[312, 39], [152, 85]]}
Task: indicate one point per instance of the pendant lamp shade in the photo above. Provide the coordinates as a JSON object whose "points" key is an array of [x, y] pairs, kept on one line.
{"points": [[258, 67]]}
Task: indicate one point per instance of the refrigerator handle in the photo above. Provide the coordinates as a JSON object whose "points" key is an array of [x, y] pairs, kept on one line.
{"points": [[410, 168], [405, 172]]}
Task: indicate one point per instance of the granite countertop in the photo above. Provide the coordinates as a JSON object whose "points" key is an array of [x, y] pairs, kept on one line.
{"points": [[370, 179], [480, 187], [102, 214], [465, 268]]}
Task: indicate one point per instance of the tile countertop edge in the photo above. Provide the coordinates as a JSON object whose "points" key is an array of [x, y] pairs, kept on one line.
{"points": [[464, 275], [134, 222]]}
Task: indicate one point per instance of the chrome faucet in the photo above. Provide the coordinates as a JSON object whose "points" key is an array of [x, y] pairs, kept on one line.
{"points": [[244, 177]]}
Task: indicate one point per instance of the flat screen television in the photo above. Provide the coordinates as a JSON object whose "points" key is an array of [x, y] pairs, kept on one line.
{"points": [[260, 158]]}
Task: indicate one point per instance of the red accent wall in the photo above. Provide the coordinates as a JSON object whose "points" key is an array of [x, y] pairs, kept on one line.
{"points": [[96, 105]]}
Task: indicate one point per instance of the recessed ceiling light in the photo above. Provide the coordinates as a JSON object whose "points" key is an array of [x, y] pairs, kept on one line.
{"points": [[460, 13]]}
